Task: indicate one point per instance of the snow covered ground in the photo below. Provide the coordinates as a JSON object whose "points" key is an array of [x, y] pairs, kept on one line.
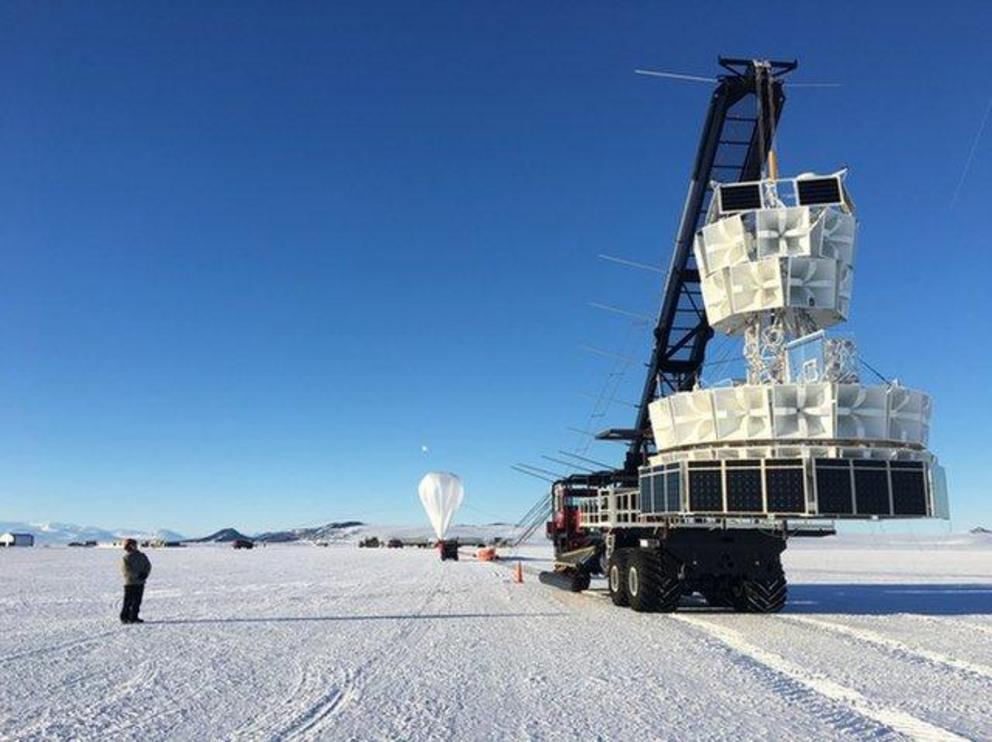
{"points": [[881, 640]]}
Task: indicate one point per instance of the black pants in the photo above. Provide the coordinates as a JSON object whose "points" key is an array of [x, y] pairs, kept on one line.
{"points": [[132, 602]]}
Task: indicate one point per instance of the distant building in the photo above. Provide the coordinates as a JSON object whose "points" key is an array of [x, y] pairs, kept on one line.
{"points": [[16, 539]]}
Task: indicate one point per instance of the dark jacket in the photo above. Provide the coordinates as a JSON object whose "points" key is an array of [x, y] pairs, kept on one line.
{"points": [[135, 568]]}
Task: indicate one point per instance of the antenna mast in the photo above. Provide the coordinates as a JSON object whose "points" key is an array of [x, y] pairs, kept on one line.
{"points": [[735, 145]]}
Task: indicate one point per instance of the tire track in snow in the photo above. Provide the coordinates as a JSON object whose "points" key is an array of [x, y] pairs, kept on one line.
{"points": [[322, 712], [359, 678], [892, 718], [313, 716], [945, 622], [835, 715], [34, 653], [319, 712], [76, 722], [895, 646], [310, 683]]}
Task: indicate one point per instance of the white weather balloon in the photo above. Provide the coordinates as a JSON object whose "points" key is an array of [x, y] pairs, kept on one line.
{"points": [[441, 493]]}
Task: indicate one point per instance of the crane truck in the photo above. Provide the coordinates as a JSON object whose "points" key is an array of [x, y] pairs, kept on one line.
{"points": [[717, 479]]}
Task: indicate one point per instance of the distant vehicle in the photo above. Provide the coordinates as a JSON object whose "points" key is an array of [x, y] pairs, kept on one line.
{"points": [[394, 543], [83, 544], [243, 543], [448, 549], [16, 539], [370, 542]]}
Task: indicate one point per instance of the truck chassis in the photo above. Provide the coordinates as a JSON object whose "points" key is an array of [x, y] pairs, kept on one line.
{"points": [[730, 563]]}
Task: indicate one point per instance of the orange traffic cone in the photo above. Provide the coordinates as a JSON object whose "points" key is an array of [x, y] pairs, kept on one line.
{"points": [[518, 573]]}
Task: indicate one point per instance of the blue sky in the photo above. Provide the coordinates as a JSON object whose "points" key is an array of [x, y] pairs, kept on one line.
{"points": [[255, 256]]}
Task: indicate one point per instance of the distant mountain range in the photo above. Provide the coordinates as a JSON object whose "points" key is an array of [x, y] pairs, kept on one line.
{"points": [[64, 533], [223, 536], [347, 530], [327, 532]]}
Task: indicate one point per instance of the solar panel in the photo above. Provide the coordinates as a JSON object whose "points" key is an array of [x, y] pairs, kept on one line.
{"points": [[833, 487], [871, 491], [909, 493], [647, 497], [743, 197], [705, 491], [786, 490], [672, 484], [813, 191], [744, 490]]}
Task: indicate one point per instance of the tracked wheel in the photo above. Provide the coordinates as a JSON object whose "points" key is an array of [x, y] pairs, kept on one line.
{"points": [[616, 577], [761, 595], [649, 589]]}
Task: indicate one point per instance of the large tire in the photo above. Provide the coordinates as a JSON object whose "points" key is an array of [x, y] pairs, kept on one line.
{"points": [[616, 577], [649, 589], [765, 594]]}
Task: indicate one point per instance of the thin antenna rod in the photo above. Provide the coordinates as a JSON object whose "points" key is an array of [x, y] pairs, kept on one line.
{"points": [[608, 354], [585, 458], [618, 310], [676, 76], [971, 153], [873, 370], [700, 78], [532, 474], [598, 397], [630, 263], [543, 471], [566, 463]]}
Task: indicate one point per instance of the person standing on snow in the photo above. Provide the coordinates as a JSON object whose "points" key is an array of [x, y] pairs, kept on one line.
{"points": [[135, 568]]}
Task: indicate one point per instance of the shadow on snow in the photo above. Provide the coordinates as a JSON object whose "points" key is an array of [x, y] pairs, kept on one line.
{"points": [[881, 599], [372, 617], [954, 599]]}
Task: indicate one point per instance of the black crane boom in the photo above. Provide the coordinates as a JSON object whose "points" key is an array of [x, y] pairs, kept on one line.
{"points": [[736, 138]]}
